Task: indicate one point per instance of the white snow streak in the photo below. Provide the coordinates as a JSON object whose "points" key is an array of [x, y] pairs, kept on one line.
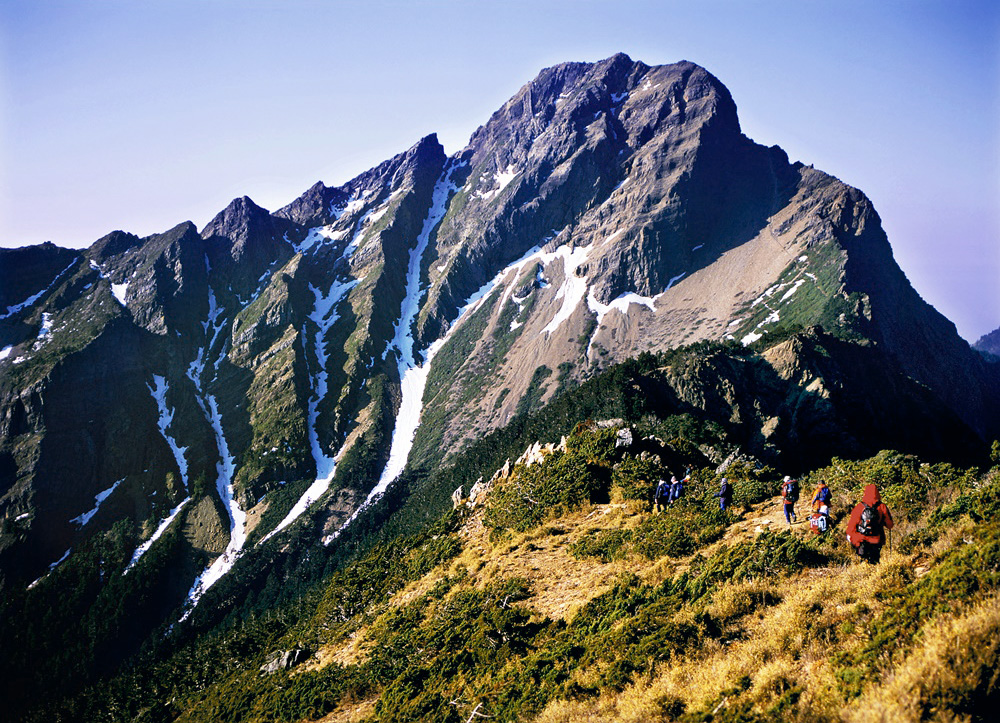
{"points": [[237, 517], [5, 352], [674, 280], [214, 311], [795, 287], [52, 567], [144, 547], [159, 392], [98, 499], [621, 303], [11, 310]]}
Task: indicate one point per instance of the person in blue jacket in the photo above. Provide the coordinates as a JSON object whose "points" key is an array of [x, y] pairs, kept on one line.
{"points": [[676, 489], [725, 494]]}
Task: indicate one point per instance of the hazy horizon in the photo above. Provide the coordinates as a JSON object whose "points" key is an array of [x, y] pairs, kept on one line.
{"points": [[139, 117]]}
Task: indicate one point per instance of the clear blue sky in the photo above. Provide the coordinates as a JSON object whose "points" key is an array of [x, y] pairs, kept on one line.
{"points": [[140, 115]]}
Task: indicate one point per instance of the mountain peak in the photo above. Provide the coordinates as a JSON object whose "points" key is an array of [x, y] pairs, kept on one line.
{"points": [[234, 218]]}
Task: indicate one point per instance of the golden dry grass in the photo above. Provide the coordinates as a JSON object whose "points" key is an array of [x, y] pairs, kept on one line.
{"points": [[779, 648], [350, 712], [957, 655]]}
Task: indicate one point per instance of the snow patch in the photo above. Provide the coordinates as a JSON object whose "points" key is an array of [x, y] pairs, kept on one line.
{"points": [[502, 179], [621, 303], [795, 287], [751, 338], [5, 352], [46, 325], [574, 287], [118, 291], [353, 205], [98, 499]]}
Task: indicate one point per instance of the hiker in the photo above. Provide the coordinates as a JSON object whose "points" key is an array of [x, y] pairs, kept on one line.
{"points": [[676, 489], [662, 497], [819, 521], [725, 494], [821, 497], [867, 525], [790, 494]]}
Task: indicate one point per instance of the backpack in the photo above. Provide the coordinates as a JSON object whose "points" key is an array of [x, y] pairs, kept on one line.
{"points": [[792, 491], [824, 495], [870, 523], [818, 523]]}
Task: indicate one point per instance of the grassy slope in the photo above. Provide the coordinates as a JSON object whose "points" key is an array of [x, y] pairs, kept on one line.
{"points": [[593, 608]]}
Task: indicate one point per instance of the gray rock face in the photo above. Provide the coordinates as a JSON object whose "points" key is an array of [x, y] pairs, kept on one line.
{"points": [[284, 660]]}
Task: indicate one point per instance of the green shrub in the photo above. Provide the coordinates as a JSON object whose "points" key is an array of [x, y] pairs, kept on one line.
{"points": [[636, 478]]}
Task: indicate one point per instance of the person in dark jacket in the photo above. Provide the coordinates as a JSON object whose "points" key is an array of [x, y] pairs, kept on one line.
{"points": [[662, 497], [676, 489], [790, 495], [867, 524], [725, 494]]}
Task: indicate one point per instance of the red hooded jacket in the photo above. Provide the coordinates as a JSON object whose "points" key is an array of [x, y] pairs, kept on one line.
{"points": [[872, 499]]}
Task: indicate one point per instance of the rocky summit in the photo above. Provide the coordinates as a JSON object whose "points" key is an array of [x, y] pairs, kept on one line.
{"points": [[201, 415]]}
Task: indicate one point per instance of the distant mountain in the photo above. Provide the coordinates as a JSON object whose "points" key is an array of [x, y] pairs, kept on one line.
{"points": [[196, 407], [989, 343]]}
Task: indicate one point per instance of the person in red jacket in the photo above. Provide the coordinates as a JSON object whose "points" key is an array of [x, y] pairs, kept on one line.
{"points": [[867, 524]]}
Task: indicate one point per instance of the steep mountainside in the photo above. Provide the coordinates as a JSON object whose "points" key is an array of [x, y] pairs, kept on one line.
{"points": [[201, 413]]}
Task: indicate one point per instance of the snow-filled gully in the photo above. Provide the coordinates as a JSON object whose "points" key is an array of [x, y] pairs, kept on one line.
{"points": [[324, 315], [225, 468], [412, 372], [166, 416]]}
